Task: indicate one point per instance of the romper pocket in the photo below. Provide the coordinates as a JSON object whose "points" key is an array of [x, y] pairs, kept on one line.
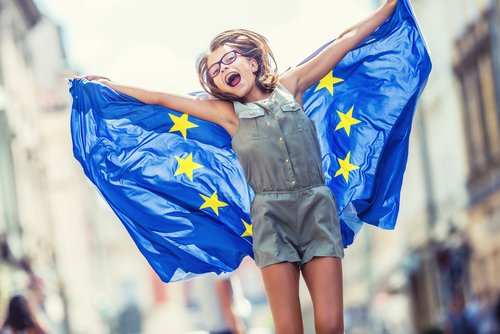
{"points": [[293, 115], [253, 123]]}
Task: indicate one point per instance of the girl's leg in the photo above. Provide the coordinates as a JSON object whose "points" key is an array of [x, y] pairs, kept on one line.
{"points": [[281, 281], [323, 276]]}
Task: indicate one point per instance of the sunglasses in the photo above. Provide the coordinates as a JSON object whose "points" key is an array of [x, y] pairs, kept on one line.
{"points": [[226, 59]]}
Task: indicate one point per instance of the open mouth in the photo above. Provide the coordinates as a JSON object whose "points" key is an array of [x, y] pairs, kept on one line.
{"points": [[233, 79]]}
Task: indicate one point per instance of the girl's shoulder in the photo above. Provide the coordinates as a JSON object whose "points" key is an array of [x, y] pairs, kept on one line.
{"points": [[289, 82]]}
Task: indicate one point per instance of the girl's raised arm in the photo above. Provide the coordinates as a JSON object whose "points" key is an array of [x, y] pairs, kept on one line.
{"points": [[213, 110], [304, 76]]}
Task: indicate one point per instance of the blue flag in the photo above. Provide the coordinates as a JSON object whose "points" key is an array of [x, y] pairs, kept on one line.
{"points": [[177, 186]]}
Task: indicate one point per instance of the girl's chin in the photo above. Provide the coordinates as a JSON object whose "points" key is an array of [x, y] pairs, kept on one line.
{"points": [[237, 90]]}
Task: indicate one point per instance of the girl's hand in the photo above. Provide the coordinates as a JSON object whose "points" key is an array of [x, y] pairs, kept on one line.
{"points": [[97, 78]]}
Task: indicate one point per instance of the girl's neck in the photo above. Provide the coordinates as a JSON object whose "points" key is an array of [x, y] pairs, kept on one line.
{"points": [[255, 95]]}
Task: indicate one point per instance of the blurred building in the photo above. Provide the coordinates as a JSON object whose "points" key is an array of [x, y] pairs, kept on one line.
{"points": [[60, 242], [46, 207], [477, 69], [33, 94], [25, 232], [463, 36], [447, 240]]}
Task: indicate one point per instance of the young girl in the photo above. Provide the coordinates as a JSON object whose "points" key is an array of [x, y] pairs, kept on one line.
{"points": [[294, 216], [20, 318]]}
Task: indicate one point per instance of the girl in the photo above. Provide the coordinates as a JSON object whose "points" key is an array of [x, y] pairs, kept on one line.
{"points": [[20, 318], [294, 216]]}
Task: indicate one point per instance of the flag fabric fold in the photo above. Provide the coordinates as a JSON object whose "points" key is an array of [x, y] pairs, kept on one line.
{"points": [[179, 190]]}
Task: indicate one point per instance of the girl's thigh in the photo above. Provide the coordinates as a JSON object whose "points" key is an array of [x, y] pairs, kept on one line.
{"points": [[281, 281], [323, 277]]}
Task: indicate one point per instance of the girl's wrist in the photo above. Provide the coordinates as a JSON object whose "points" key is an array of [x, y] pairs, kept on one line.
{"points": [[391, 3]]}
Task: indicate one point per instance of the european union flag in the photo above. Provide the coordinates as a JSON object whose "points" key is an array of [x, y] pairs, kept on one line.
{"points": [[177, 186], [363, 111]]}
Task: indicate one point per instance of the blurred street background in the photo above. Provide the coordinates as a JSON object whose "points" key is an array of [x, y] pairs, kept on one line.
{"points": [[63, 247]]}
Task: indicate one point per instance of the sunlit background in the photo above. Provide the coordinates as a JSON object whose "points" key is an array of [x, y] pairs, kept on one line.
{"points": [[63, 248]]}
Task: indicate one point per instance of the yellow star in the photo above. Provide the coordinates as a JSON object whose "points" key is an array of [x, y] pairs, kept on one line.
{"points": [[248, 229], [346, 120], [181, 124], [345, 167], [212, 203], [327, 82], [187, 166]]}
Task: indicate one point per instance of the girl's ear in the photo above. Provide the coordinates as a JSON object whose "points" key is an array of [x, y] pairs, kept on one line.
{"points": [[254, 66]]}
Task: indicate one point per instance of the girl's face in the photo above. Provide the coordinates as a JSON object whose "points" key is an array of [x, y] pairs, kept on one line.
{"points": [[236, 78]]}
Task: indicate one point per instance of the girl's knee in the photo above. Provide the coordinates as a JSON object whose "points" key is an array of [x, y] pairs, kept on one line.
{"points": [[329, 326], [289, 328]]}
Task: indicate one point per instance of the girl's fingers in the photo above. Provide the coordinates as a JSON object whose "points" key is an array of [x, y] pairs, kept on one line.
{"points": [[92, 77]]}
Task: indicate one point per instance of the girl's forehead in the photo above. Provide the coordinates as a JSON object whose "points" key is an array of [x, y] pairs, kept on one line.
{"points": [[215, 55]]}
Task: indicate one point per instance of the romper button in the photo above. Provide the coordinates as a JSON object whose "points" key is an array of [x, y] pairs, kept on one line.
{"points": [[252, 112], [268, 123], [286, 160], [281, 138]]}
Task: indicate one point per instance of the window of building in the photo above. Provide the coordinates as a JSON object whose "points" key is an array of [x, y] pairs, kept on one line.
{"points": [[490, 106], [473, 121], [474, 68]]}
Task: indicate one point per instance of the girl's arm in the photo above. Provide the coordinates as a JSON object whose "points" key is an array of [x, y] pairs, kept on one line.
{"points": [[213, 110], [304, 76]]}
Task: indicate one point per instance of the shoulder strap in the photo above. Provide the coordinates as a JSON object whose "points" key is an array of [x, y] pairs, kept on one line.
{"points": [[238, 107]]}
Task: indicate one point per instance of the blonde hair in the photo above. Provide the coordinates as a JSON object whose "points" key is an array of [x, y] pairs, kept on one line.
{"points": [[251, 45]]}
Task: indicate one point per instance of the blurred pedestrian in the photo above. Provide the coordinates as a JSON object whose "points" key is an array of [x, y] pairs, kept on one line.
{"points": [[130, 319], [457, 321], [496, 316], [487, 320], [215, 298], [20, 318]]}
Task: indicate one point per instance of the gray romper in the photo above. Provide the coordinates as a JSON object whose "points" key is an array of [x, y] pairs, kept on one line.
{"points": [[294, 213]]}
